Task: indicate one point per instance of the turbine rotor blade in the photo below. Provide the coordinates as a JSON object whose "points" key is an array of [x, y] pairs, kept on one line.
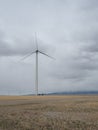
{"points": [[28, 55], [36, 41], [46, 55]]}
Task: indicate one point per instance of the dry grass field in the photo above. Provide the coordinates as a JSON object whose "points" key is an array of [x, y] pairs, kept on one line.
{"points": [[72, 112]]}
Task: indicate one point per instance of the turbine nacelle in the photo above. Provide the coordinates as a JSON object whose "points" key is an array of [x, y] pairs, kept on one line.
{"points": [[37, 51]]}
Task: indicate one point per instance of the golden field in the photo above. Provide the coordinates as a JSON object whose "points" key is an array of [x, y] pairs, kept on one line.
{"points": [[70, 112]]}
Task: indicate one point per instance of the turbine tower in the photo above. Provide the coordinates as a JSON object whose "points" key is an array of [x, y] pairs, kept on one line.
{"points": [[37, 52]]}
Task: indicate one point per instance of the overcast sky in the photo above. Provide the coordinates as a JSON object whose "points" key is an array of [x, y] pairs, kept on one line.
{"points": [[66, 30]]}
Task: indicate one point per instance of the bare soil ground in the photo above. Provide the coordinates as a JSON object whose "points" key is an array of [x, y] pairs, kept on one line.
{"points": [[72, 112]]}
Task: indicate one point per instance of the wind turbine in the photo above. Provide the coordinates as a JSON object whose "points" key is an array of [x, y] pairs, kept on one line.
{"points": [[37, 52]]}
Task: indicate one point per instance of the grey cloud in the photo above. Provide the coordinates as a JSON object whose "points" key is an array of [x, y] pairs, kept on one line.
{"points": [[67, 30], [93, 48], [4, 46]]}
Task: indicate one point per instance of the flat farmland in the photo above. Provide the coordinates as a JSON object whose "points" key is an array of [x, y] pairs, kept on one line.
{"points": [[69, 112]]}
